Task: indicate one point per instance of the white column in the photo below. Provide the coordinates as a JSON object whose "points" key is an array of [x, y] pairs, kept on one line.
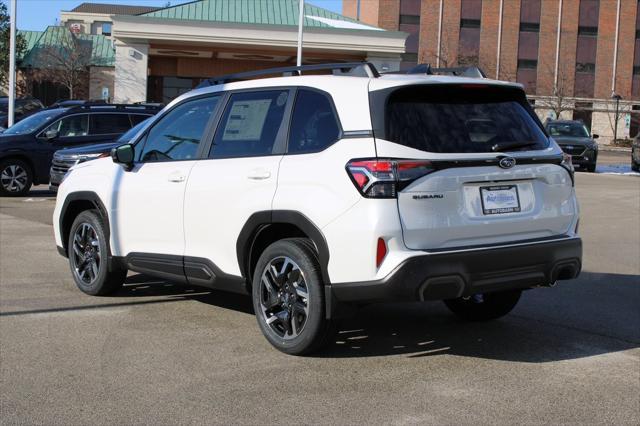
{"points": [[131, 72]]}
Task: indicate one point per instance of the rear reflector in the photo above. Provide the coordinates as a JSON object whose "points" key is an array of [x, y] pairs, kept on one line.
{"points": [[381, 252]]}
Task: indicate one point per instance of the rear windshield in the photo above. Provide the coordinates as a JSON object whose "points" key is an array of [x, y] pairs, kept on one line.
{"points": [[462, 119]]}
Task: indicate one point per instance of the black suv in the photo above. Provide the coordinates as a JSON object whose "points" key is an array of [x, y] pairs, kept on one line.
{"points": [[66, 158], [23, 108], [574, 139], [26, 148]]}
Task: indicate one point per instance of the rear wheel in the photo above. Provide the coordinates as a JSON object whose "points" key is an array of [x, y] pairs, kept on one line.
{"points": [[15, 178], [288, 297], [88, 253], [484, 307]]}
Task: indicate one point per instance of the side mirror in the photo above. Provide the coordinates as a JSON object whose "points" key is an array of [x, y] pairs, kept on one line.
{"points": [[123, 154], [51, 134], [595, 136]]}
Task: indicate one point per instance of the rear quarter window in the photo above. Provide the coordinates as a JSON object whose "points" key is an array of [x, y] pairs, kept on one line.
{"points": [[461, 119]]}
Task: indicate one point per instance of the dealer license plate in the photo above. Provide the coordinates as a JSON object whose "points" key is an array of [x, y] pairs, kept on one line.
{"points": [[500, 199]]}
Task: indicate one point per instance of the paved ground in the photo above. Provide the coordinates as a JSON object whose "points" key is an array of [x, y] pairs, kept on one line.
{"points": [[160, 354]]}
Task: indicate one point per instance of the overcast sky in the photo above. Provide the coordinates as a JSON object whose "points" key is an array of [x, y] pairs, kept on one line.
{"points": [[38, 14]]}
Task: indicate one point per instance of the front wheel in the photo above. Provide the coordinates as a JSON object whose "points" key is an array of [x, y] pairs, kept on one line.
{"points": [[288, 297], [484, 307], [88, 254], [16, 178], [591, 168]]}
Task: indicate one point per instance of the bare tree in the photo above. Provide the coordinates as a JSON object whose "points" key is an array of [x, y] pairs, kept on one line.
{"points": [[66, 63], [559, 99], [615, 119]]}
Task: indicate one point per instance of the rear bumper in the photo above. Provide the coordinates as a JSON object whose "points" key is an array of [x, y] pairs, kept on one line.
{"points": [[451, 274]]}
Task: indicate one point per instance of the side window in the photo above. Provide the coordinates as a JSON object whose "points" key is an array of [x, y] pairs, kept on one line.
{"points": [[176, 136], [250, 124], [313, 125], [138, 118], [73, 125], [105, 124]]}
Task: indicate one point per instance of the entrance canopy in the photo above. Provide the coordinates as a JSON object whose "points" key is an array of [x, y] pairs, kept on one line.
{"points": [[166, 52]]}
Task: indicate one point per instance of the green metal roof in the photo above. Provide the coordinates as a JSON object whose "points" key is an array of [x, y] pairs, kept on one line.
{"points": [[264, 12], [102, 49], [30, 38]]}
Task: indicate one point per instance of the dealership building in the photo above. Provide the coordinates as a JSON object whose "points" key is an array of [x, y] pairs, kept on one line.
{"points": [[161, 53], [577, 57]]}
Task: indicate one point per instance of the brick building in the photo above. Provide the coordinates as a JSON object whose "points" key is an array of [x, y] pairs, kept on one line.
{"points": [[572, 56]]}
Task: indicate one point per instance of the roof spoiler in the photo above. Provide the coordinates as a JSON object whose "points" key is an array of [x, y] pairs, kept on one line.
{"points": [[356, 69], [473, 72]]}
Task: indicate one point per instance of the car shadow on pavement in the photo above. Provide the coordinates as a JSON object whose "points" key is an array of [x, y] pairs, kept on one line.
{"points": [[140, 285], [592, 315]]}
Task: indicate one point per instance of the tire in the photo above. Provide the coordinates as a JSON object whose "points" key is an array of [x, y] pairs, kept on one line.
{"points": [[16, 178], [88, 252], [290, 305], [635, 166], [484, 307], [591, 168]]}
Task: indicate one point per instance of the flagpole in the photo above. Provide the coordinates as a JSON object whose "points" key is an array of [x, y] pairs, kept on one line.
{"points": [[12, 63], [300, 26]]}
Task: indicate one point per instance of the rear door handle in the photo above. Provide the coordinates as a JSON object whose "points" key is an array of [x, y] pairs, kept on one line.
{"points": [[176, 177], [259, 174]]}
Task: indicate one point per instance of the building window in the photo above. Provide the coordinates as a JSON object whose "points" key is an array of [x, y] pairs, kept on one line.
{"points": [[409, 19], [410, 23], [588, 31], [588, 68], [106, 28], [586, 48], [529, 27], [527, 64], [469, 23], [528, 41]]}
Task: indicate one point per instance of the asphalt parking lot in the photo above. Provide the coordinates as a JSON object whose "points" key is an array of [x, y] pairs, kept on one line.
{"points": [[157, 353]]}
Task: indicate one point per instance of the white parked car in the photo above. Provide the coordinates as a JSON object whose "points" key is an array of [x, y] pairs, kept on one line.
{"points": [[318, 193]]}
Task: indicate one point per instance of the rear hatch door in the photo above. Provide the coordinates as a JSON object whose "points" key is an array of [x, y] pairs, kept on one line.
{"points": [[492, 174]]}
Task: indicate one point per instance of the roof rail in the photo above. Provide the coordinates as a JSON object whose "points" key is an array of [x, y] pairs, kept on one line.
{"points": [[360, 69], [90, 106], [473, 72]]}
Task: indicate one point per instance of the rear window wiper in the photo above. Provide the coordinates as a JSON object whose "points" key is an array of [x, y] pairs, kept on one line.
{"points": [[500, 146]]}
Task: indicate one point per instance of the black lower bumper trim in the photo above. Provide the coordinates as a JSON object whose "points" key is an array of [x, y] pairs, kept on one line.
{"points": [[448, 275]]}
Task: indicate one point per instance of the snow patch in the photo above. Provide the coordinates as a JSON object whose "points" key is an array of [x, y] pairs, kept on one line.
{"points": [[335, 23], [616, 169]]}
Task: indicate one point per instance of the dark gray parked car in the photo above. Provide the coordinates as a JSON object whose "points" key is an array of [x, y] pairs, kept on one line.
{"points": [[574, 139]]}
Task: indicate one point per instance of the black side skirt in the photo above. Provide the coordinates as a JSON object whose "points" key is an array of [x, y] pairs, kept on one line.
{"points": [[188, 270]]}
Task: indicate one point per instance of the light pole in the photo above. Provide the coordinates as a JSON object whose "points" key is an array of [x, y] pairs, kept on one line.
{"points": [[617, 98], [12, 64], [300, 31]]}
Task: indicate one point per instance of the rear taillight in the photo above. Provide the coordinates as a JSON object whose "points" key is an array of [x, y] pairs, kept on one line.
{"points": [[568, 165], [380, 178]]}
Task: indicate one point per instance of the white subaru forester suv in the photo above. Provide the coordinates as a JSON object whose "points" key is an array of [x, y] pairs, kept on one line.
{"points": [[318, 193]]}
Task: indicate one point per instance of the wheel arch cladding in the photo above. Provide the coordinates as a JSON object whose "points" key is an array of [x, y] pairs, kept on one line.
{"points": [[74, 204], [265, 227]]}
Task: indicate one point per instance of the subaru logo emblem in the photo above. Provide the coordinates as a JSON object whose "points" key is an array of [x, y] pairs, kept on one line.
{"points": [[507, 162]]}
